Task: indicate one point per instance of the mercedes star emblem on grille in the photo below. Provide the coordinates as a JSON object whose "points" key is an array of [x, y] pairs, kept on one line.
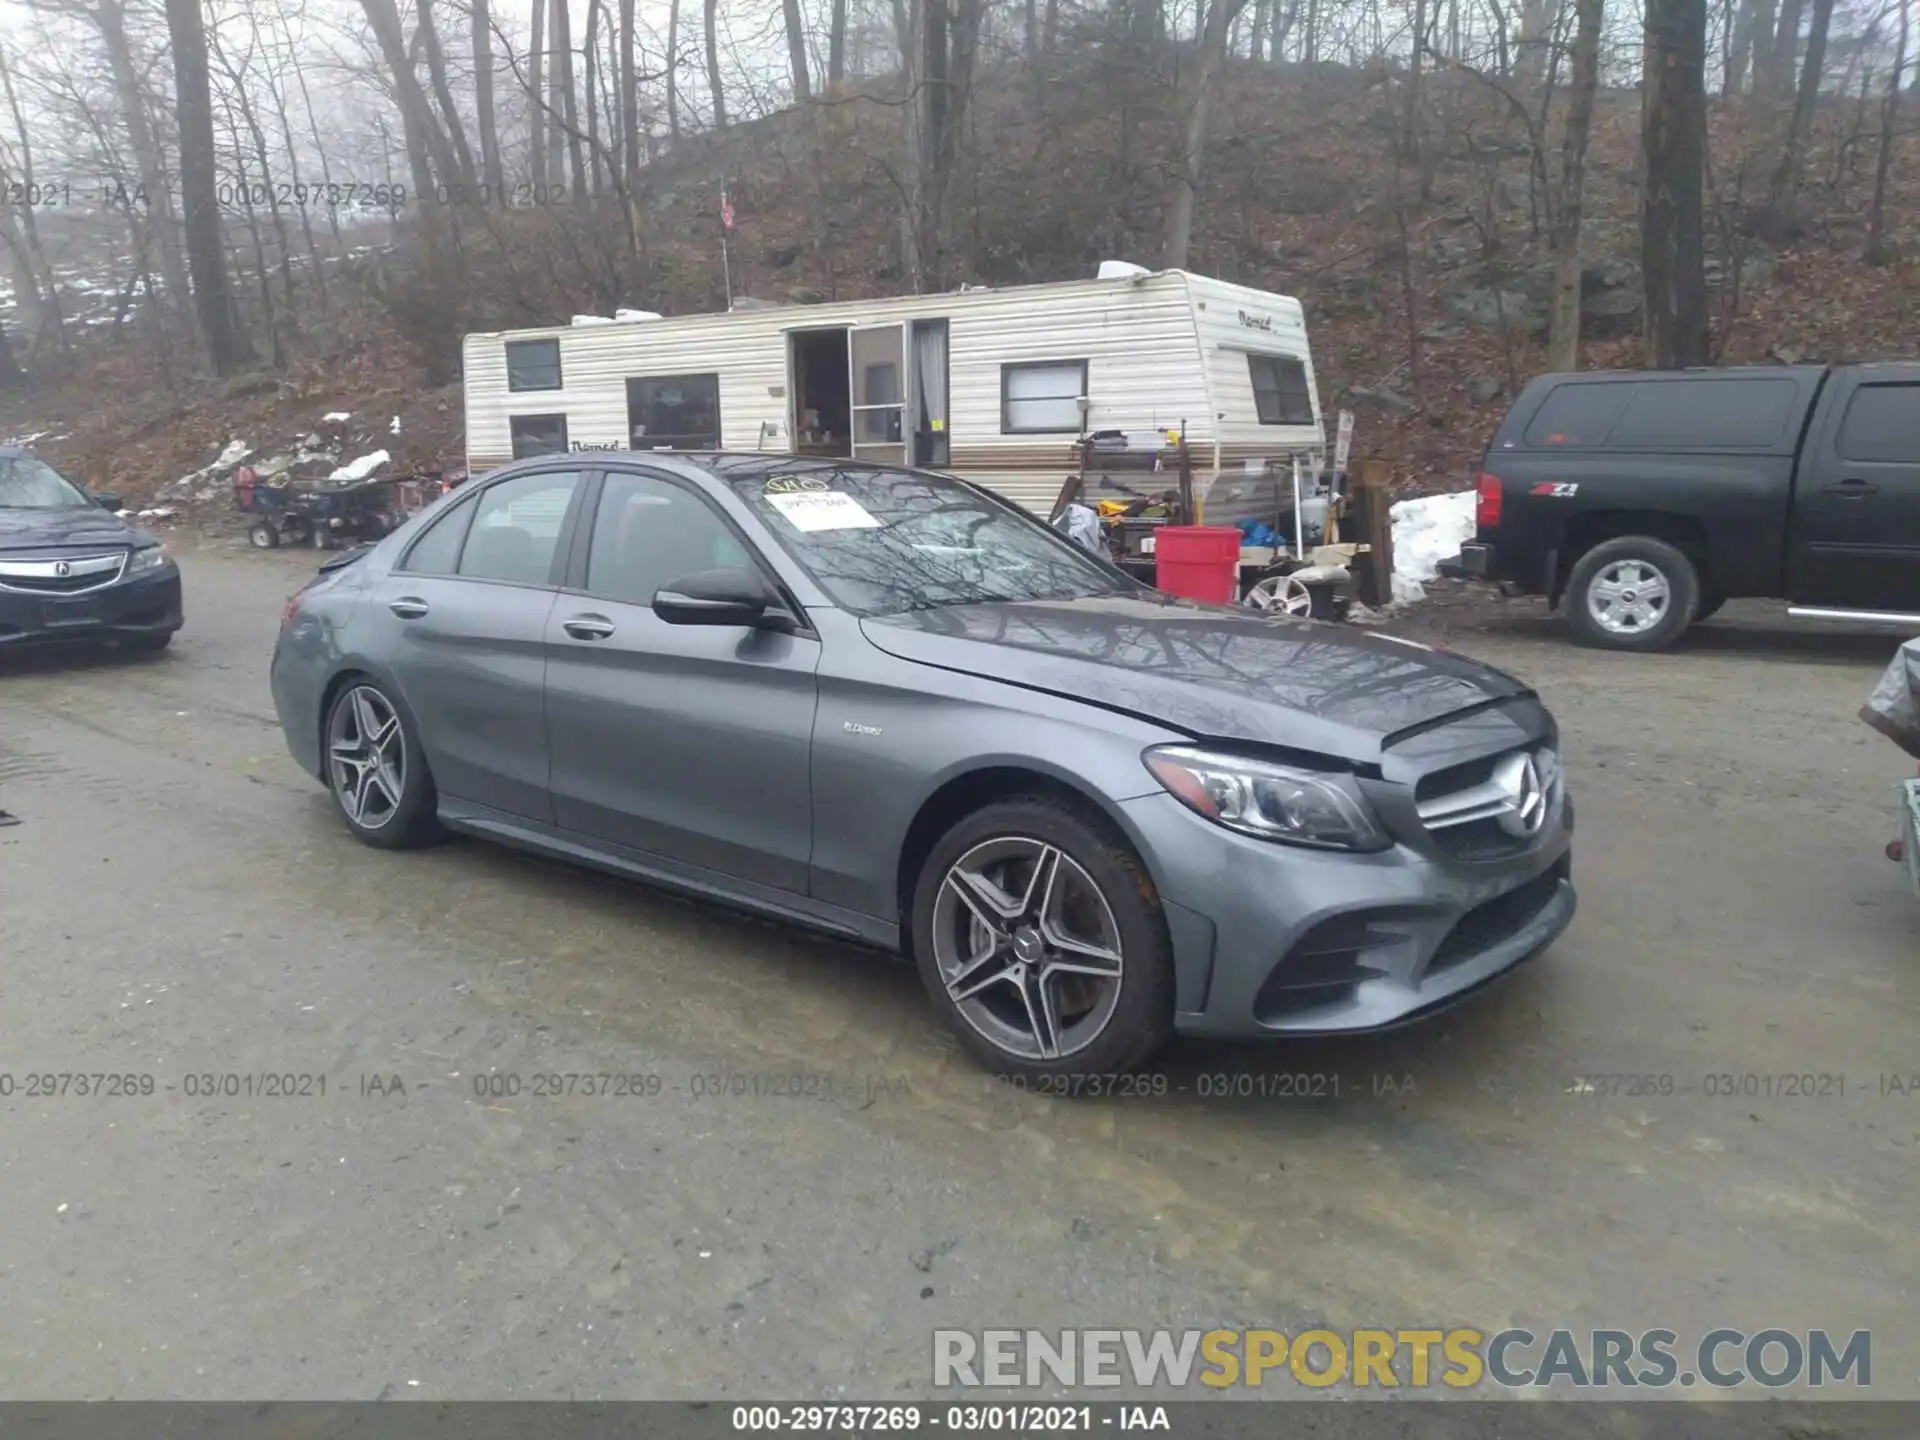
{"points": [[1518, 777]]}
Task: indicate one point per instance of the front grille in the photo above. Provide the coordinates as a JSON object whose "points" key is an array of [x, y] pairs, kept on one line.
{"points": [[1467, 808], [43, 577], [1496, 921]]}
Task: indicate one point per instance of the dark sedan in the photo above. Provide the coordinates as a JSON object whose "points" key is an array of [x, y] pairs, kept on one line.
{"points": [[72, 569], [892, 706]]}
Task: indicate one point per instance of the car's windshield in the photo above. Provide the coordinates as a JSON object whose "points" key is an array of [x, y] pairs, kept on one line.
{"points": [[27, 483], [884, 541]]}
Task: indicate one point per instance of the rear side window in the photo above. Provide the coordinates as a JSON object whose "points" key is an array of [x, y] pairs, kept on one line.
{"points": [[1882, 426], [1577, 415], [1680, 414], [516, 528], [437, 551]]}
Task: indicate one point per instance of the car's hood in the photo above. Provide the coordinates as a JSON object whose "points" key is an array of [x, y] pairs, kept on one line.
{"points": [[81, 525], [1211, 671]]}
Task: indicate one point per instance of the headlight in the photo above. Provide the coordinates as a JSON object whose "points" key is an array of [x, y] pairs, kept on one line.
{"points": [[151, 558], [1272, 802]]}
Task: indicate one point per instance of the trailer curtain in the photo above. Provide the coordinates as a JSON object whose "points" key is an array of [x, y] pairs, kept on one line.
{"points": [[930, 365]]}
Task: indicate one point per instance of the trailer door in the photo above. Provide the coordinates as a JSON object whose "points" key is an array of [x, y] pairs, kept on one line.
{"points": [[876, 358]]}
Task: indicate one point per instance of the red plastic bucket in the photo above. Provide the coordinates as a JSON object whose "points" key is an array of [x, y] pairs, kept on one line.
{"points": [[1197, 562]]}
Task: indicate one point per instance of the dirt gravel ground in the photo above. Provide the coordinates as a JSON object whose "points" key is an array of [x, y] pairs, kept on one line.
{"points": [[178, 902]]}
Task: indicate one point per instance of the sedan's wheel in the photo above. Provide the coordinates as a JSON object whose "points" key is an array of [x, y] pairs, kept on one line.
{"points": [[1280, 595], [1632, 593], [375, 771], [1039, 936]]}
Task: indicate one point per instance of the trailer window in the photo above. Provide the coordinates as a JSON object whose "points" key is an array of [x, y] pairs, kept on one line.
{"points": [[674, 412], [1882, 426], [1042, 398], [1281, 395], [533, 365], [538, 435]]}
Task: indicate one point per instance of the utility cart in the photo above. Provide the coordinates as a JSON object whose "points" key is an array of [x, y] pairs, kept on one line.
{"points": [[328, 514], [1143, 489]]}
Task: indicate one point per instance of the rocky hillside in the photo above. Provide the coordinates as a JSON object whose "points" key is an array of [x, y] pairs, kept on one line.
{"points": [[1425, 287]]}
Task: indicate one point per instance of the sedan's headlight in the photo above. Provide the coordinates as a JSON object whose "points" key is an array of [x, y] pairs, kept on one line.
{"points": [[151, 558], [1264, 799]]}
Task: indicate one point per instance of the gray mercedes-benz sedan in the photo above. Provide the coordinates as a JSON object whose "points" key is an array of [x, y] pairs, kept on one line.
{"points": [[894, 707]]}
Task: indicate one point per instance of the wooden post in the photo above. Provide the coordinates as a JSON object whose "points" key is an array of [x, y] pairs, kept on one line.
{"points": [[1372, 506]]}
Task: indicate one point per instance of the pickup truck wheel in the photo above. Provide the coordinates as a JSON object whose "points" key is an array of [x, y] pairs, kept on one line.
{"points": [[1632, 593]]}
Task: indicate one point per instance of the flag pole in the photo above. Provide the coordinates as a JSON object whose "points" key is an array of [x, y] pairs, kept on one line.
{"points": [[726, 224]]}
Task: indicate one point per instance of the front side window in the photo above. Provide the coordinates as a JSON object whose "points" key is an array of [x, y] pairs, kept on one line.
{"points": [[533, 365], [516, 528], [648, 532], [674, 412], [1042, 398], [538, 435], [1281, 395], [882, 541], [29, 483]]}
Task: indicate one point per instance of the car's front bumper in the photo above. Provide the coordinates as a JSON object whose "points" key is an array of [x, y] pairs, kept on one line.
{"points": [[143, 605], [1275, 940]]}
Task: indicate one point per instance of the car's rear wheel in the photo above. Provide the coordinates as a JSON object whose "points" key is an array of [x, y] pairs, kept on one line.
{"points": [[1039, 936], [376, 772], [1632, 593]]}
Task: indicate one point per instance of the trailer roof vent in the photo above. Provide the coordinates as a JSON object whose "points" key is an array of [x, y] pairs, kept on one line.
{"points": [[638, 315], [1122, 270]]}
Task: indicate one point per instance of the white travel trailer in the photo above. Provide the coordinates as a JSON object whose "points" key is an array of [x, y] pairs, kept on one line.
{"points": [[995, 385]]}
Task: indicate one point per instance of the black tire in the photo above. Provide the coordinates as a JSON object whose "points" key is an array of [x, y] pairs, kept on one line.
{"points": [[1138, 1019], [1603, 564], [264, 535], [405, 821], [147, 644]]}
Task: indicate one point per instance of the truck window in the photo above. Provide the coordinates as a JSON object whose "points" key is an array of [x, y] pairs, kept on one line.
{"points": [[1705, 414], [1882, 425], [1577, 414]]}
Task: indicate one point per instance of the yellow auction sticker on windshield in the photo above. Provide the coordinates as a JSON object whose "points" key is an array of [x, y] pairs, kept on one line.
{"points": [[823, 510]]}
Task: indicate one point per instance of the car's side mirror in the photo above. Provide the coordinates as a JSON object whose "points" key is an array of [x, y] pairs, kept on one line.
{"points": [[722, 597], [107, 502]]}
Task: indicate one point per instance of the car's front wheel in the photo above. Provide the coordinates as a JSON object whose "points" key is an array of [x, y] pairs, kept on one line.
{"points": [[376, 771], [1039, 936]]}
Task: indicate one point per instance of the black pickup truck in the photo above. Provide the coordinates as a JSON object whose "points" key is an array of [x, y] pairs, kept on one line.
{"points": [[1644, 500]]}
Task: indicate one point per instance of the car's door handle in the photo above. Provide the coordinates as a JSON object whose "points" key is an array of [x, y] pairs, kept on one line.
{"points": [[1851, 488], [588, 627], [407, 607]]}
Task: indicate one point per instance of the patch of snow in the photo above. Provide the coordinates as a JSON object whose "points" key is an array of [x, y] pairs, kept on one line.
{"points": [[361, 468], [394, 428], [591, 320], [333, 416], [23, 439], [1426, 531], [637, 315], [159, 512], [227, 459]]}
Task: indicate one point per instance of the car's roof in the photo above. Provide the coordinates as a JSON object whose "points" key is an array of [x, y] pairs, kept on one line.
{"points": [[740, 465]]}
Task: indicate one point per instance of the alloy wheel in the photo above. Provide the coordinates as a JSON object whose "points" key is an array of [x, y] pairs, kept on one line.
{"points": [[367, 756], [1628, 597], [1028, 947], [1280, 595]]}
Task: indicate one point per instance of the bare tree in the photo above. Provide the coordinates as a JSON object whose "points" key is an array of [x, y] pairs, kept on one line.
{"points": [[1785, 188], [945, 35], [12, 377], [565, 112], [1673, 136], [429, 152], [1563, 330], [713, 65], [536, 59], [796, 49], [1876, 253], [673, 64], [39, 310], [493, 172], [429, 39], [1740, 48], [1193, 148], [226, 346]]}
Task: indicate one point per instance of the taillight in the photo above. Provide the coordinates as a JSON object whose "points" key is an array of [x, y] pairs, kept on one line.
{"points": [[1486, 510]]}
